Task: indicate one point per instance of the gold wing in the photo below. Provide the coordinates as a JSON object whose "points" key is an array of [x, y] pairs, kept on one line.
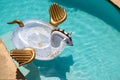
{"points": [[23, 56]]}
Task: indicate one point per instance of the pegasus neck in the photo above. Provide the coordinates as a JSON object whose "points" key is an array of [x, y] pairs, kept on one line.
{"points": [[58, 38]]}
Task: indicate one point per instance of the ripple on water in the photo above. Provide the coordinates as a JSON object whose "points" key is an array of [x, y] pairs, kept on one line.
{"points": [[96, 44], [96, 48]]}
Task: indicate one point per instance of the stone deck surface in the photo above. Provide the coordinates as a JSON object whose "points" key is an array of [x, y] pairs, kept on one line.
{"points": [[8, 70], [116, 2]]}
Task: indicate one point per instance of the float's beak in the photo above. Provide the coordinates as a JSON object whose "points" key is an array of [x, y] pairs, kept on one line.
{"points": [[71, 44]]}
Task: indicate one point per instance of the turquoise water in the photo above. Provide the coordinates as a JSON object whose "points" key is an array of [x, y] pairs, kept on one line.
{"points": [[94, 56]]}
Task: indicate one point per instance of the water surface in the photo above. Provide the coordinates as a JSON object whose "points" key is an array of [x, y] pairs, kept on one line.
{"points": [[94, 56]]}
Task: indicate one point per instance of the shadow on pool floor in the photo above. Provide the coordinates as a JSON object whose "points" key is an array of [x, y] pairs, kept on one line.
{"points": [[54, 68], [105, 11]]}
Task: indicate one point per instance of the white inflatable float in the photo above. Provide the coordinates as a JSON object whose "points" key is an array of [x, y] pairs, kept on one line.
{"points": [[47, 40]]}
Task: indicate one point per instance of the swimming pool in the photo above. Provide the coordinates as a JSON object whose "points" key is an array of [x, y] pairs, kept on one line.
{"points": [[95, 33]]}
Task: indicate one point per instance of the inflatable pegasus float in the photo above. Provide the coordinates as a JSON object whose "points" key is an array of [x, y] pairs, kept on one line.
{"points": [[45, 39]]}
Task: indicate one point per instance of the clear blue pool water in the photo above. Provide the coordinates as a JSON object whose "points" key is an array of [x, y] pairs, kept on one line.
{"points": [[94, 56]]}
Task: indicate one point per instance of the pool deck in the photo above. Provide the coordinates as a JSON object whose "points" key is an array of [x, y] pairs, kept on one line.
{"points": [[8, 70], [116, 2]]}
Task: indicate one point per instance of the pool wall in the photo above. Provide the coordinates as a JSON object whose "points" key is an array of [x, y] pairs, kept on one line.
{"points": [[102, 9]]}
